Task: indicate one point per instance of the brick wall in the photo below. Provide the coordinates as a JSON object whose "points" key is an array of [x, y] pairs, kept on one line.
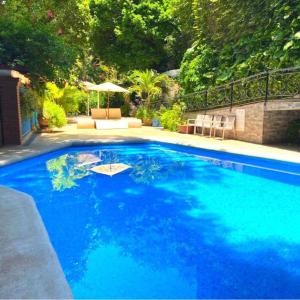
{"points": [[263, 124], [276, 125], [10, 111], [253, 131]]}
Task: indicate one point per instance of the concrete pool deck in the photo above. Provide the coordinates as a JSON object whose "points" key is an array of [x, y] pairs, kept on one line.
{"points": [[29, 267], [69, 135]]}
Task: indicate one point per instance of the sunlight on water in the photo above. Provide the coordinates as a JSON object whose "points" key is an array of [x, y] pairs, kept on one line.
{"points": [[123, 276]]}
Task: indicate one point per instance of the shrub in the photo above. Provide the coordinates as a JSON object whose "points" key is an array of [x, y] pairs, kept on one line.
{"points": [[171, 118], [71, 98], [125, 109], [54, 114], [293, 132], [94, 100], [144, 113]]}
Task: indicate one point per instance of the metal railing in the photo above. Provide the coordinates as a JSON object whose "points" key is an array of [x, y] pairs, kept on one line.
{"points": [[265, 86]]}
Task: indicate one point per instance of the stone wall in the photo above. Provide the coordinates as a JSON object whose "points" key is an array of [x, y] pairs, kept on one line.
{"points": [[260, 123]]}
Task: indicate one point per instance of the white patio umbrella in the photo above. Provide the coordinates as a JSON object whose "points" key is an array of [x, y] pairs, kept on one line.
{"points": [[109, 88]]}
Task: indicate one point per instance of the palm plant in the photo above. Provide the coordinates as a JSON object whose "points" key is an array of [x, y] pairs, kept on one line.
{"points": [[148, 84]]}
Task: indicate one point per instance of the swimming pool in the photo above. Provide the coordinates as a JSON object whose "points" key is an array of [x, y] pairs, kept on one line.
{"points": [[179, 223]]}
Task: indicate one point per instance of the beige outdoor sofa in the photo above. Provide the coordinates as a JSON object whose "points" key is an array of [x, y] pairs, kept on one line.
{"points": [[108, 119]]}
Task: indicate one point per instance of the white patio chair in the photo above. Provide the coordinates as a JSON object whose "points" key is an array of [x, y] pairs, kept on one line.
{"points": [[227, 125], [207, 124], [216, 123], [196, 122]]}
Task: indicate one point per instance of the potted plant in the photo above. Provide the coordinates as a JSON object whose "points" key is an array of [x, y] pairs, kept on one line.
{"points": [[43, 122], [145, 114], [185, 128], [172, 118]]}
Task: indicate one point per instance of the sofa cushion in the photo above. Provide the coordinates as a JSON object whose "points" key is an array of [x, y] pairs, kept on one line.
{"points": [[114, 113], [98, 113]]}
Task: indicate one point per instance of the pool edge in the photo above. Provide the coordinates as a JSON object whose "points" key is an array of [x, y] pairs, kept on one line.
{"points": [[121, 140], [29, 263]]}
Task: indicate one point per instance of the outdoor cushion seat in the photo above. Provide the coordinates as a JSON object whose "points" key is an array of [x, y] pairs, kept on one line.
{"points": [[134, 122], [114, 113], [103, 113], [98, 113], [111, 124], [85, 123]]}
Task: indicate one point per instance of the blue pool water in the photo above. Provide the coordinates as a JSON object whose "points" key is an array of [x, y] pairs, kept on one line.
{"points": [[180, 223]]}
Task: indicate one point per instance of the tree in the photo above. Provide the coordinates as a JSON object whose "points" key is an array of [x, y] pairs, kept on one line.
{"points": [[234, 39], [148, 84], [182, 14], [134, 34], [43, 37], [43, 54], [70, 98], [75, 26]]}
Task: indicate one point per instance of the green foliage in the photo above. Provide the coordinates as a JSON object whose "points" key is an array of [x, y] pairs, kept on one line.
{"points": [[94, 100], [136, 34], [234, 39], [144, 113], [293, 133], [148, 84], [95, 40], [183, 18], [171, 118], [54, 114], [64, 173], [69, 98], [197, 71], [43, 37], [52, 91], [42, 53], [69, 40], [125, 109], [30, 100]]}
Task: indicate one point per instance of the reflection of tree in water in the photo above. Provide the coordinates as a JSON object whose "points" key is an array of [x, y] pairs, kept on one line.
{"points": [[64, 172], [72, 230], [109, 157], [149, 169]]}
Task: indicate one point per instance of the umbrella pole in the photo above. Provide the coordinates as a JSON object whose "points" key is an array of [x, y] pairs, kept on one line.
{"points": [[88, 104], [108, 105], [98, 100]]}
